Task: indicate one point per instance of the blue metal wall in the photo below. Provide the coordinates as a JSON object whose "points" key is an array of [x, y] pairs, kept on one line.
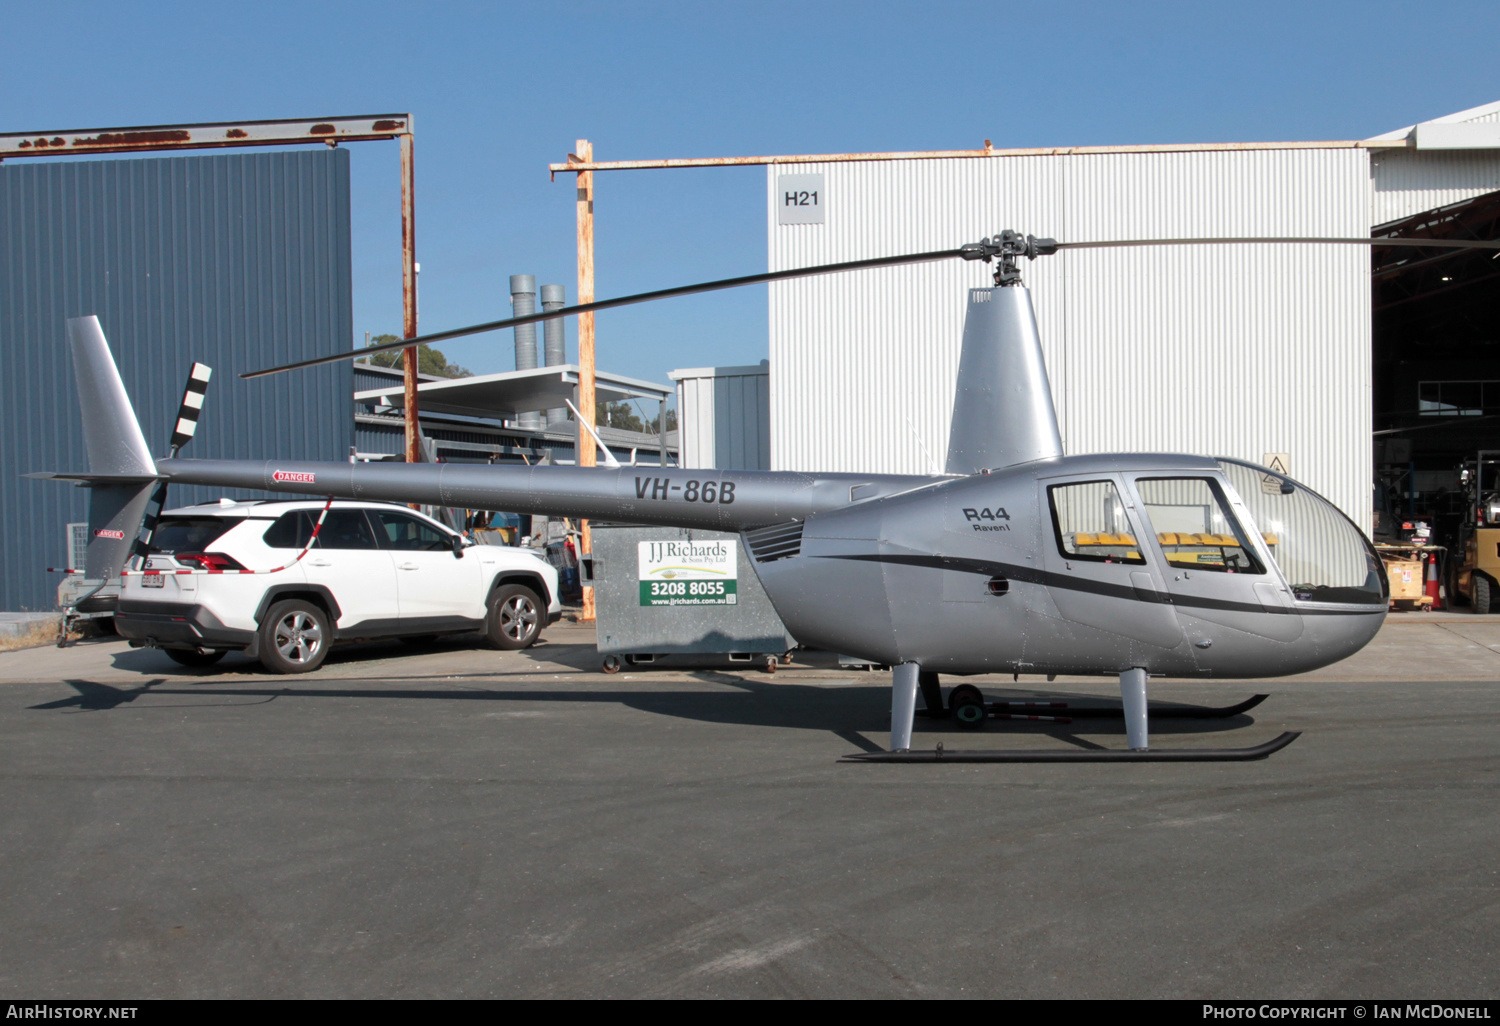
{"points": [[240, 261]]}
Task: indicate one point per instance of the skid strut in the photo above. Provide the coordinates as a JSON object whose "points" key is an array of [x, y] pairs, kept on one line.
{"points": [[908, 679]]}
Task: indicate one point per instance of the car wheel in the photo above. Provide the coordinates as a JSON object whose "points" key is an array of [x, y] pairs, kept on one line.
{"points": [[1481, 601], [294, 637], [193, 656], [515, 618]]}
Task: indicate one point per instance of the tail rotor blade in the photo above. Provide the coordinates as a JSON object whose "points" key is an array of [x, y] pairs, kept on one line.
{"points": [[182, 433], [192, 406]]}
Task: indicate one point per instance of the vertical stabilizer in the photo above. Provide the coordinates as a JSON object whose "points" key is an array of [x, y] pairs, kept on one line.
{"points": [[1002, 412], [116, 449], [110, 430], [115, 515]]}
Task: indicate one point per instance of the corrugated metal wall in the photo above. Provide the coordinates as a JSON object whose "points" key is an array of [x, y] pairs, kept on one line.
{"points": [[239, 260], [1236, 351], [1407, 182], [724, 417]]}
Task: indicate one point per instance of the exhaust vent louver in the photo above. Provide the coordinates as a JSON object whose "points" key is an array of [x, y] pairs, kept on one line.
{"points": [[779, 541]]}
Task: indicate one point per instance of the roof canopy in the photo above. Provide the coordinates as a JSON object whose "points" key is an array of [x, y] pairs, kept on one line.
{"points": [[513, 392], [1477, 128]]}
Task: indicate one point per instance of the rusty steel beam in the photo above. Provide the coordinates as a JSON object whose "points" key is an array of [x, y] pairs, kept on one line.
{"points": [[573, 164], [210, 135]]}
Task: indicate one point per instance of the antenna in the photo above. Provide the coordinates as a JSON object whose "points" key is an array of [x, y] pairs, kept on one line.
{"points": [[932, 464], [609, 457]]}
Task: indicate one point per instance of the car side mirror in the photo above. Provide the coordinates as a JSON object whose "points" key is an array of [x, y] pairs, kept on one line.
{"points": [[458, 546]]}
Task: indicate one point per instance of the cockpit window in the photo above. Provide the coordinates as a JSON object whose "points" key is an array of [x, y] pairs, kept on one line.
{"points": [[1194, 526], [1323, 556], [1091, 524]]}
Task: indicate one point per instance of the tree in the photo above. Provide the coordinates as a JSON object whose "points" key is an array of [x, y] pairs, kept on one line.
{"points": [[429, 360], [617, 415], [624, 417]]}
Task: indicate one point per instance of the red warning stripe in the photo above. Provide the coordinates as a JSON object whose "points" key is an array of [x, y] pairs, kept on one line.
{"points": [[208, 573]]}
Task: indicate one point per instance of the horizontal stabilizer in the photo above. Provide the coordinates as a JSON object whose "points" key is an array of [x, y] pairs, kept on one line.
{"points": [[50, 475]]}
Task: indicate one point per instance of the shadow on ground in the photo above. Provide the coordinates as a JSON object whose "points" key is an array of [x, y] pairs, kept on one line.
{"points": [[849, 711]]}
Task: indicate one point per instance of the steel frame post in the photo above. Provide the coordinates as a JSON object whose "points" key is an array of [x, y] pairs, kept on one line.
{"points": [[587, 455], [409, 294]]}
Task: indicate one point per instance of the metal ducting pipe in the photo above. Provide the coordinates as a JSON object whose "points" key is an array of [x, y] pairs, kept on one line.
{"points": [[523, 303], [555, 297]]}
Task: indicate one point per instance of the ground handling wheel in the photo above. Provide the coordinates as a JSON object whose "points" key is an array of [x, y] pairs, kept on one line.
{"points": [[966, 703]]}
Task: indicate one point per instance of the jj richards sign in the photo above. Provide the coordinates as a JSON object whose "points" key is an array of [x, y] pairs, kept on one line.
{"points": [[688, 573]]}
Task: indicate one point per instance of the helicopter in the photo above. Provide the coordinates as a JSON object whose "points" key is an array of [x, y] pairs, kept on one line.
{"points": [[1017, 558]]}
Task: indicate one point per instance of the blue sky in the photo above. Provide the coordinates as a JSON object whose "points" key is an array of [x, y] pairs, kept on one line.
{"points": [[500, 90]]}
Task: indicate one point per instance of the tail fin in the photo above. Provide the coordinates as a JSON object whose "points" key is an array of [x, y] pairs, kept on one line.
{"points": [[121, 470], [110, 430], [1002, 411]]}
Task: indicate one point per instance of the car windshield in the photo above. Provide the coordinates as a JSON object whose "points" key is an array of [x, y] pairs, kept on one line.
{"points": [[189, 534]]}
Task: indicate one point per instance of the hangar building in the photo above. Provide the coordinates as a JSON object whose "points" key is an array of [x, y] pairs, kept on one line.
{"points": [[239, 260], [1240, 351]]}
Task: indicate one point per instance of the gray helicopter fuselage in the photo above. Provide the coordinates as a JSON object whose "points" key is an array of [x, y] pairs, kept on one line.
{"points": [[961, 575], [968, 576]]}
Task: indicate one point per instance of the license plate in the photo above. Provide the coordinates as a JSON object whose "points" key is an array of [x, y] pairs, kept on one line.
{"points": [[154, 581]]}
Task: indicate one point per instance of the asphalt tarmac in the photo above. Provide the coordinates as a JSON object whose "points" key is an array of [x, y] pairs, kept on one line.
{"points": [[457, 822]]}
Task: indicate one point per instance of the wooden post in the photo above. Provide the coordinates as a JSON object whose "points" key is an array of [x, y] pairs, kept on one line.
{"points": [[587, 455], [409, 295]]}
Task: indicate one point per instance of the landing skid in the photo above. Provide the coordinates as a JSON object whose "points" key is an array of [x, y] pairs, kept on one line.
{"points": [[1087, 755], [1157, 712]]}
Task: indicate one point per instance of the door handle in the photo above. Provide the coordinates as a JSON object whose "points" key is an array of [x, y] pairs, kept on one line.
{"points": [[1145, 587], [319, 562], [408, 566]]}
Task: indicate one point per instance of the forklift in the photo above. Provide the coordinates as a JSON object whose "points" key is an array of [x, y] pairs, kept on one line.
{"points": [[1475, 577]]}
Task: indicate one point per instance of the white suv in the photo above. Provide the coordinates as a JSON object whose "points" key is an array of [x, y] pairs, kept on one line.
{"points": [[376, 570]]}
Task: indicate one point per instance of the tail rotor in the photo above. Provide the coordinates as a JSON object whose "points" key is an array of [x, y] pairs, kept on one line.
{"points": [[183, 430]]}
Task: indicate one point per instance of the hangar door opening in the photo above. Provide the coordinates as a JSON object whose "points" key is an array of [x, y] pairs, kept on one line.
{"points": [[1436, 333]]}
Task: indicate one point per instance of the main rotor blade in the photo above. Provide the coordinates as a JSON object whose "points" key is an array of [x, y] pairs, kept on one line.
{"points": [[850, 265], [609, 304], [1414, 243]]}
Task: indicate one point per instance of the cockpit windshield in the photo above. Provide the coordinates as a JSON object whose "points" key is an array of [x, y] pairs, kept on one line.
{"points": [[1194, 526], [1323, 556]]}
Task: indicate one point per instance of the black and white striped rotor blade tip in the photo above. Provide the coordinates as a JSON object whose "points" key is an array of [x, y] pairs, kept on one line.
{"points": [[192, 405]]}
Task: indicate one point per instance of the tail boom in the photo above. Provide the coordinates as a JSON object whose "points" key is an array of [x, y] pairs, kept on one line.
{"points": [[720, 500]]}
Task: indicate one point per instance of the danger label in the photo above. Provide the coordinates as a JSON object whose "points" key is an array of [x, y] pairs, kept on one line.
{"points": [[293, 477], [105, 532]]}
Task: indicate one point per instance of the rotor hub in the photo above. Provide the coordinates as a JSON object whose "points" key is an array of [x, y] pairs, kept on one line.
{"points": [[1007, 248]]}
